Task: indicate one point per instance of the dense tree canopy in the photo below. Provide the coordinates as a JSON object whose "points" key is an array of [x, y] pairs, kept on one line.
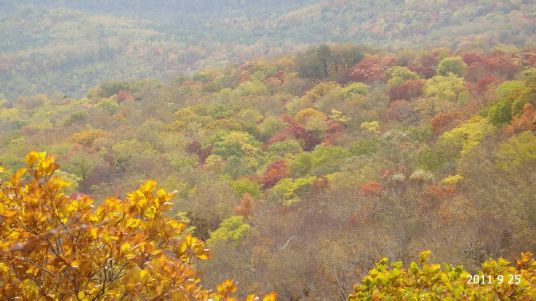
{"points": [[299, 185], [69, 46]]}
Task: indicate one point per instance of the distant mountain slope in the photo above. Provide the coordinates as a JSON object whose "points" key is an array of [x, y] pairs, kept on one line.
{"points": [[66, 46]]}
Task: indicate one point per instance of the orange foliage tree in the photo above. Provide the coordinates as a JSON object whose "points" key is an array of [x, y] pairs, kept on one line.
{"points": [[276, 171], [524, 122], [59, 247], [245, 207], [371, 188]]}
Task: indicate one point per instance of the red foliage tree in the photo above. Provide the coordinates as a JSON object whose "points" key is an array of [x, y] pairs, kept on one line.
{"points": [[276, 171], [353, 219], [296, 129], [371, 188], [530, 57], [524, 122], [280, 75], [501, 64], [310, 142], [407, 90], [281, 135], [123, 95], [474, 72], [484, 82], [321, 183], [425, 65], [334, 132], [371, 69], [471, 58], [346, 76], [497, 64], [443, 121], [429, 60], [424, 71], [298, 132], [202, 153], [439, 192], [399, 110], [273, 81]]}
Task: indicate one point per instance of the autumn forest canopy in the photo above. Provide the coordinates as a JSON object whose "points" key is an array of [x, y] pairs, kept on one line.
{"points": [[267, 150], [69, 46]]}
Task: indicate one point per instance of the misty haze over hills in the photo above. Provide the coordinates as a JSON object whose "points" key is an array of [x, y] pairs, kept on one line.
{"points": [[70, 46]]}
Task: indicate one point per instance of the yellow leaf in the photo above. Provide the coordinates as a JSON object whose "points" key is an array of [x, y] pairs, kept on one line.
{"points": [[47, 165], [270, 297], [75, 264], [156, 252], [30, 290], [93, 233], [150, 212], [177, 225], [2, 168], [9, 213], [203, 256], [227, 286], [73, 206], [133, 223], [424, 255], [161, 193], [15, 178], [3, 267], [524, 259], [148, 186], [125, 247], [143, 274], [33, 157]]}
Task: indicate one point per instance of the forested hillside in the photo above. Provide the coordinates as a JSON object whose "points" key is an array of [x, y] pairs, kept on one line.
{"points": [[302, 171], [69, 46]]}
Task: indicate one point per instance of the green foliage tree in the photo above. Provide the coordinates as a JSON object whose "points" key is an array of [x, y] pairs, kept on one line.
{"points": [[354, 89], [346, 56], [315, 62], [232, 228], [518, 151], [286, 147], [454, 65], [322, 61], [245, 185], [511, 97], [500, 112], [443, 93], [398, 75], [236, 144], [288, 191], [445, 88], [365, 146]]}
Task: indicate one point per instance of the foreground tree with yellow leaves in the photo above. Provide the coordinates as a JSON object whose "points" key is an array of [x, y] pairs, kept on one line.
{"points": [[59, 247], [498, 280]]}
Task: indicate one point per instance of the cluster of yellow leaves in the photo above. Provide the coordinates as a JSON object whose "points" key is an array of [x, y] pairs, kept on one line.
{"points": [[468, 134], [87, 137], [427, 281], [58, 247]]}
